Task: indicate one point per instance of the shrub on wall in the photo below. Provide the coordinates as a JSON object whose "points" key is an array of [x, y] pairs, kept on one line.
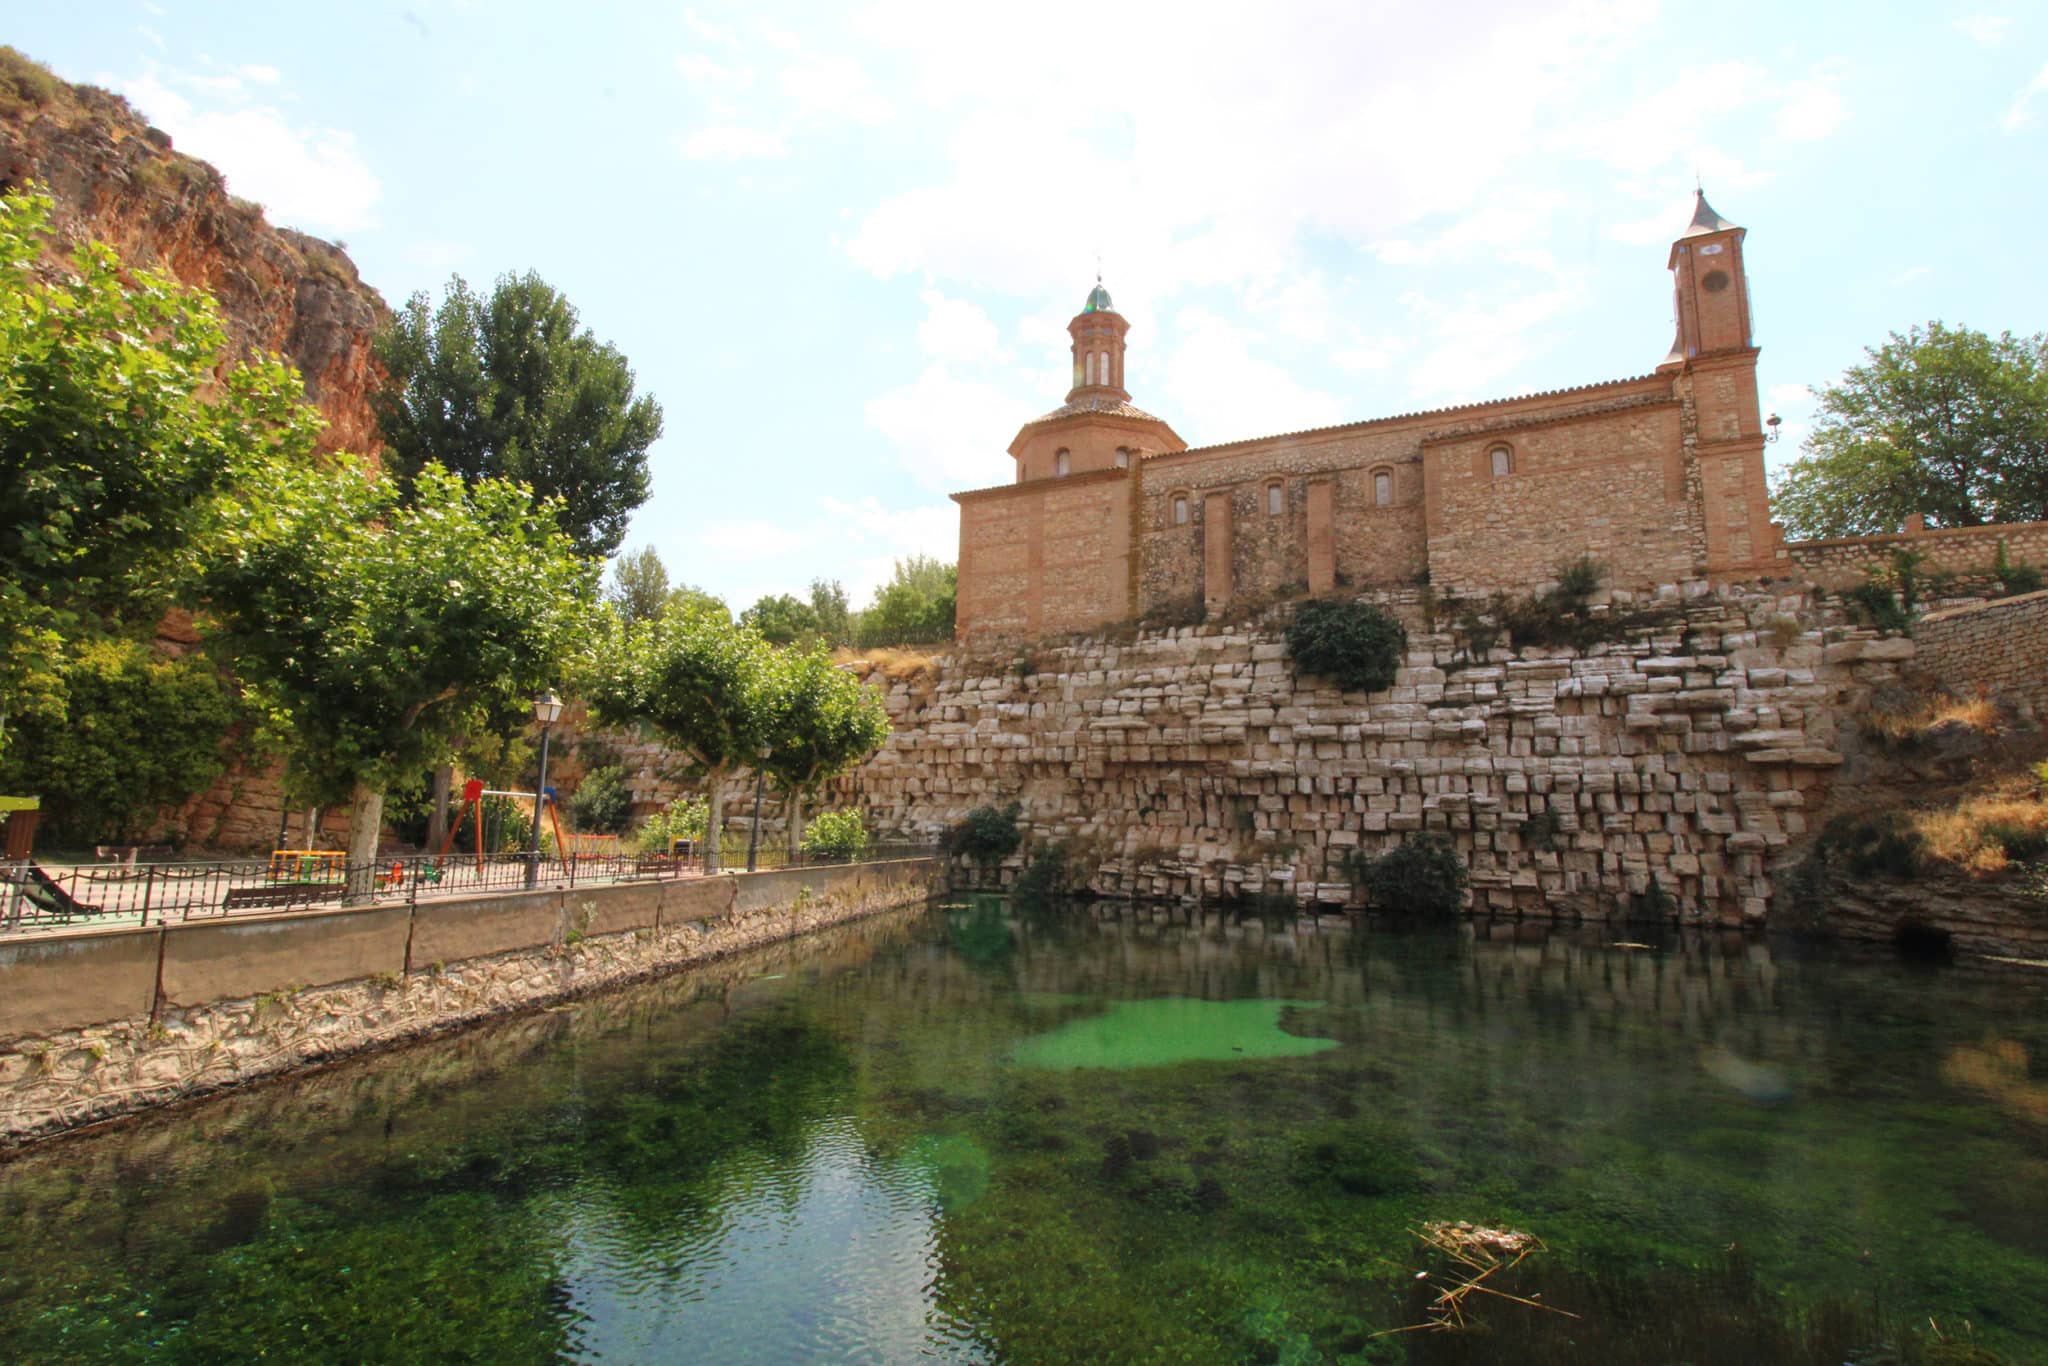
{"points": [[1353, 644], [1423, 876], [988, 834], [2015, 578], [837, 835]]}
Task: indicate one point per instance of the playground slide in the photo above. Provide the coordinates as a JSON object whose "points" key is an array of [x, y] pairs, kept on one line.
{"points": [[43, 890]]}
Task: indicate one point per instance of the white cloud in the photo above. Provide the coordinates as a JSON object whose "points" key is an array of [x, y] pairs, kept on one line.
{"points": [[950, 431], [831, 88], [956, 332], [1224, 388], [2023, 115], [1813, 107], [730, 142], [1987, 29], [306, 176], [1912, 273], [750, 538], [258, 74], [703, 72], [1480, 340]]}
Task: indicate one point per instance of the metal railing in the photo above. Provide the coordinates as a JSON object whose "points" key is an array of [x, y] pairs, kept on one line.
{"points": [[36, 896]]}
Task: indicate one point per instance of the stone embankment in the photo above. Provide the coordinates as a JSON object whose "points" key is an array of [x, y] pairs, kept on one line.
{"points": [[1667, 774], [94, 1025]]}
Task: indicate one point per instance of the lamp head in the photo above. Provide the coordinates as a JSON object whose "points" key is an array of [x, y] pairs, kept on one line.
{"points": [[546, 708]]}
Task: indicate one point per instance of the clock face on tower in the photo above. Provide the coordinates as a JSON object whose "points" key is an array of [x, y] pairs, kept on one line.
{"points": [[1714, 281]]}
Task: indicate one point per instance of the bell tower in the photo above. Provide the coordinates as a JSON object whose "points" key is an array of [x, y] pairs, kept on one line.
{"points": [[1713, 370], [1098, 332]]}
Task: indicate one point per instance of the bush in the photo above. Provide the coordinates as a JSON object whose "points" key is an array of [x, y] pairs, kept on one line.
{"points": [[1044, 876], [682, 819], [837, 835], [601, 805], [1353, 644], [1423, 876], [2015, 578], [1870, 845], [988, 835], [1873, 604]]}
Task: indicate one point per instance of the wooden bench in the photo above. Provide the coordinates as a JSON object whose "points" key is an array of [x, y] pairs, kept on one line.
{"points": [[281, 894], [656, 865]]}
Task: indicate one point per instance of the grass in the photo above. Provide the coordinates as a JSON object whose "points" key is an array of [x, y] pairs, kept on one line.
{"points": [[1909, 726], [25, 81], [1985, 835], [901, 665]]}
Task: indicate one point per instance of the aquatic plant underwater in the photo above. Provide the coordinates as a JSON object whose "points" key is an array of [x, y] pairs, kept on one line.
{"points": [[985, 1134]]}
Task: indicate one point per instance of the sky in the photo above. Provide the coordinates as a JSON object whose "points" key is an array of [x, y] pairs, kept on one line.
{"points": [[841, 243]]}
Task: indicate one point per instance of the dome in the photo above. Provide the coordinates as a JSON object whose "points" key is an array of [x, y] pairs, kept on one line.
{"points": [[1098, 300]]}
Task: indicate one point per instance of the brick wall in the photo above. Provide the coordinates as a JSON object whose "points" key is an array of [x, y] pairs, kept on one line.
{"points": [[1999, 648], [1611, 485], [1194, 763]]}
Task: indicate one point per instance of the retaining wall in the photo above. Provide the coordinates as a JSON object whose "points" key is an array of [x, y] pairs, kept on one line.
{"points": [[2000, 648], [99, 1023], [1965, 550]]}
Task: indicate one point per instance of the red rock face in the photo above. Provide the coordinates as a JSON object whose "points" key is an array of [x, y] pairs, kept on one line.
{"points": [[115, 178]]}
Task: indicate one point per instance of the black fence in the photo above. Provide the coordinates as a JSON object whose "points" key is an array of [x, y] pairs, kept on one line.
{"points": [[36, 896]]}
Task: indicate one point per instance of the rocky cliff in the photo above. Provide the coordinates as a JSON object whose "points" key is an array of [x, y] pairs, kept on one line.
{"points": [[117, 179]]}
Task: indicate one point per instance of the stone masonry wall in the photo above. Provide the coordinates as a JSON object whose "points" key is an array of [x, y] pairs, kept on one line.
{"points": [[117, 1060], [1999, 648], [1953, 550], [1194, 763]]}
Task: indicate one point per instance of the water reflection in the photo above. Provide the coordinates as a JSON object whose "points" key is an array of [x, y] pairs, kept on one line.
{"points": [[1078, 1132]]}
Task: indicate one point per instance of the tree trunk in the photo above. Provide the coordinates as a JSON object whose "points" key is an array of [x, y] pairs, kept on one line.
{"points": [[365, 819], [437, 813], [714, 817], [796, 825]]}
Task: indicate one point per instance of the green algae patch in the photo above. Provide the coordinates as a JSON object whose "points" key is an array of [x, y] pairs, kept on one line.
{"points": [[1173, 1029]]}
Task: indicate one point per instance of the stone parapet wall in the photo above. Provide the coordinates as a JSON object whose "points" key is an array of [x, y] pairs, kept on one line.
{"points": [[1999, 648], [1194, 763], [1967, 550], [98, 1024]]}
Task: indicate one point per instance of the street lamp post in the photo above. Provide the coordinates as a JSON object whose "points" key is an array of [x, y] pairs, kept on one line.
{"points": [[546, 708], [754, 839]]}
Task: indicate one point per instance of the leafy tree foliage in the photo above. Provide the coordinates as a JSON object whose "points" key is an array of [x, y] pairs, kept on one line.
{"points": [[685, 818], [1943, 421], [510, 387], [701, 681], [988, 834], [821, 722], [134, 732], [374, 632], [1353, 644], [916, 606], [639, 587], [782, 619], [828, 605], [116, 431]]}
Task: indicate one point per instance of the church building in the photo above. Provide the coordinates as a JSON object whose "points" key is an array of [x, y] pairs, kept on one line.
{"points": [[1111, 516]]}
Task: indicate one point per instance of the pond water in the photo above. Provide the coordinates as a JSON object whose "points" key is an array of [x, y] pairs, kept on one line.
{"points": [[981, 1134]]}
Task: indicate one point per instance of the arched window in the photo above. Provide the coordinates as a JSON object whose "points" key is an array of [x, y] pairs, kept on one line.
{"points": [[1060, 462], [1502, 459], [1276, 499], [1123, 457], [1383, 488], [1180, 509]]}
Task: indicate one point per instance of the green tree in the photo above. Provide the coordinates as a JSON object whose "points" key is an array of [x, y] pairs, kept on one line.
{"points": [[117, 428], [639, 587], [509, 387], [375, 632], [822, 721], [828, 604], [1943, 421], [916, 606], [701, 682], [136, 732], [782, 619]]}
